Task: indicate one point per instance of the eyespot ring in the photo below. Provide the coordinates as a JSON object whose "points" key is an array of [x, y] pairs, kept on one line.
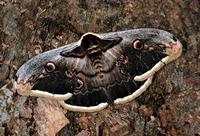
{"points": [[50, 67], [138, 45], [80, 84]]}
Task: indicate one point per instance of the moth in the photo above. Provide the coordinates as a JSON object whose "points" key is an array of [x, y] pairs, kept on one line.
{"points": [[98, 69]]}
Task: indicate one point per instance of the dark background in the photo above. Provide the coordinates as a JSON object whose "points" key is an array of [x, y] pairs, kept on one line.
{"points": [[170, 107]]}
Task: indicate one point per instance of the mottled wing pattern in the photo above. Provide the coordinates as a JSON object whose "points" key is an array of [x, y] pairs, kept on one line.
{"points": [[109, 75], [98, 70]]}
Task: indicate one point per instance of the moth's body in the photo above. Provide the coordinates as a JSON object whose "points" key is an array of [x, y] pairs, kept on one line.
{"points": [[99, 69]]}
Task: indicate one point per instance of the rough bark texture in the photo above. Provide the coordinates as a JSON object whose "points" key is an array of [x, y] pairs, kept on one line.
{"points": [[171, 106]]}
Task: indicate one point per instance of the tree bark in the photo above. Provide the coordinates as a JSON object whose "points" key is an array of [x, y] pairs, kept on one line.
{"points": [[171, 106]]}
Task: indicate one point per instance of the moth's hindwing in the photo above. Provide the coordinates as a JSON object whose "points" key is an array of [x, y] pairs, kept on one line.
{"points": [[99, 70]]}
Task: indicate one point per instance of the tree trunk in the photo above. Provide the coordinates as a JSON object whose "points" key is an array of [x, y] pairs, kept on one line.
{"points": [[171, 106]]}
